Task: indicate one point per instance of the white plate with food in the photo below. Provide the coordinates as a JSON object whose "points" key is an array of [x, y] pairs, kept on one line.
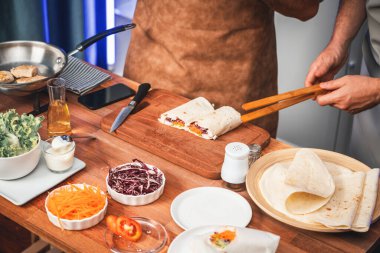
{"points": [[224, 239], [210, 206], [315, 189]]}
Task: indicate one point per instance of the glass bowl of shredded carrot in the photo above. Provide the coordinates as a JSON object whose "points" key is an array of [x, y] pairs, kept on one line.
{"points": [[76, 206]]}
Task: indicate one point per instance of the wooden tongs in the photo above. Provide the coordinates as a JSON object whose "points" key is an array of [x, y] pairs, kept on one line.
{"points": [[278, 102]]}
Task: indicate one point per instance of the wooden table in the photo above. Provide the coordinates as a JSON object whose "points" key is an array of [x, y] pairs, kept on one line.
{"points": [[107, 151]]}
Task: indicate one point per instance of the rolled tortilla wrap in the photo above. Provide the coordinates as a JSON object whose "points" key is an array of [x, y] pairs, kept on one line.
{"points": [[184, 114], [216, 123], [364, 213], [246, 240]]}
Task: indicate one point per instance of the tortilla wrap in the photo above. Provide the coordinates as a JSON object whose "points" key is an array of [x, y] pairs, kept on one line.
{"points": [[338, 213], [367, 204], [247, 240], [216, 123], [308, 172], [187, 112], [277, 193]]}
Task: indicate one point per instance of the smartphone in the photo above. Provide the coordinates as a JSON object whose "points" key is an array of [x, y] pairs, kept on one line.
{"points": [[106, 96]]}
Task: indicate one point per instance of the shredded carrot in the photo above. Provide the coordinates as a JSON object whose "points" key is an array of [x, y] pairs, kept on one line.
{"points": [[76, 203], [193, 128], [225, 235]]}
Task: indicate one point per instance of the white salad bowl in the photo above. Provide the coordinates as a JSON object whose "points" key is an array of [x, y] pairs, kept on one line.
{"points": [[76, 224], [138, 200], [21, 165]]}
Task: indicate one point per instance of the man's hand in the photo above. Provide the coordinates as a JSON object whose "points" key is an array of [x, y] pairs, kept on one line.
{"points": [[327, 64], [351, 16], [351, 93]]}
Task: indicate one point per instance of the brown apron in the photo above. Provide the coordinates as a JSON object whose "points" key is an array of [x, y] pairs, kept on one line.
{"points": [[222, 50]]}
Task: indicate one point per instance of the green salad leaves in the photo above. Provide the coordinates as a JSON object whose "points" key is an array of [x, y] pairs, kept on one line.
{"points": [[18, 133]]}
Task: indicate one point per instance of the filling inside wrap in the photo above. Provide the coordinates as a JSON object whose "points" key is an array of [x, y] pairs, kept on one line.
{"points": [[216, 123]]}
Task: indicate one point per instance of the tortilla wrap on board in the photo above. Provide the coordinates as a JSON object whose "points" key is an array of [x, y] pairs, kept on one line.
{"points": [[183, 115], [216, 123]]}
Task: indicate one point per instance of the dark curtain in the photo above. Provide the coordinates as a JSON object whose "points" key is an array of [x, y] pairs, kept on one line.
{"points": [[21, 20], [58, 22], [66, 23]]}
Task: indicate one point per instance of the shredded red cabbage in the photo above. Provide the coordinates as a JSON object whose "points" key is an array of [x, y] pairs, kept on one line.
{"points": [[135, 178]]}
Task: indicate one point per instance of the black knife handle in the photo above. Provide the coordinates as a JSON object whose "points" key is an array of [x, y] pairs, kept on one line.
{"points": [[141, 92], [88, 42]]}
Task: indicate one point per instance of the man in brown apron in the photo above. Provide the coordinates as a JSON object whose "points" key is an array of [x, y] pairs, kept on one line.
{"points": [[223, 50]]}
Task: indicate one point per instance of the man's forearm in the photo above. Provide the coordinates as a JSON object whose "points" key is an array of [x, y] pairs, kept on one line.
{"points": [[301, 9], [351, 16]]}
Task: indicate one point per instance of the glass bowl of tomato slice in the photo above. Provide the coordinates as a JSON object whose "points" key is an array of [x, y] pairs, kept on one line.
{"points": [[148, 236]]}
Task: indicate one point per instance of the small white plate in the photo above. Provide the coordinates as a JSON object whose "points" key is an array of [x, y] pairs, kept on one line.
{"points": [[41, 179], [210, 206]]}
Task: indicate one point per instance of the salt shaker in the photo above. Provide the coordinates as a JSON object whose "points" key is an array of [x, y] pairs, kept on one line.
{"points": [[235, 165]]}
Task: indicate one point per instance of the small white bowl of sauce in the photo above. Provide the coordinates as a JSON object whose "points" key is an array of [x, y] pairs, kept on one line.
{"points": [[58, 154]]}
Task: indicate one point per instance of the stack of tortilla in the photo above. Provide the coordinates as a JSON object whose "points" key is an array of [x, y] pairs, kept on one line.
{"points": [[316, 192], [199, 117]]}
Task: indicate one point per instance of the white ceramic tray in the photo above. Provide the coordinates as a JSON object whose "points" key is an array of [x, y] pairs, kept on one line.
{"points": [[41, 179]]}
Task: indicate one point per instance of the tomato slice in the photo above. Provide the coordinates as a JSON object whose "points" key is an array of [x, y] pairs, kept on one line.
{"points": [[111, 223], [128, 228]]}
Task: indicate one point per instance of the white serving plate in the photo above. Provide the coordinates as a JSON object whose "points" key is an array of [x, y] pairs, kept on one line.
{"points": [[210, 206], [41, 179]]}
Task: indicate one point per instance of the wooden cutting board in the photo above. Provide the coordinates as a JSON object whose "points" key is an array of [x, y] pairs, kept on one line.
{"points": [[203, 157]]}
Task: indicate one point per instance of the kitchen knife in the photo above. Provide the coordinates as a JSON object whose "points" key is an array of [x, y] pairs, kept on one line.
{"points": [[123, 114]]}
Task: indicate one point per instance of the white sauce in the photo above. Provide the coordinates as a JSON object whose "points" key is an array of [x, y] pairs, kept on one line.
{"points": [[60, 156]]}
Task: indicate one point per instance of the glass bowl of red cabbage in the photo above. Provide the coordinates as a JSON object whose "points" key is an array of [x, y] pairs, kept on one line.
{"points": [[135, 183]]}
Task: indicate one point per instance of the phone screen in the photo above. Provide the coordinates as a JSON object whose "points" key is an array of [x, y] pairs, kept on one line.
{"points": [[106, 96]]}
